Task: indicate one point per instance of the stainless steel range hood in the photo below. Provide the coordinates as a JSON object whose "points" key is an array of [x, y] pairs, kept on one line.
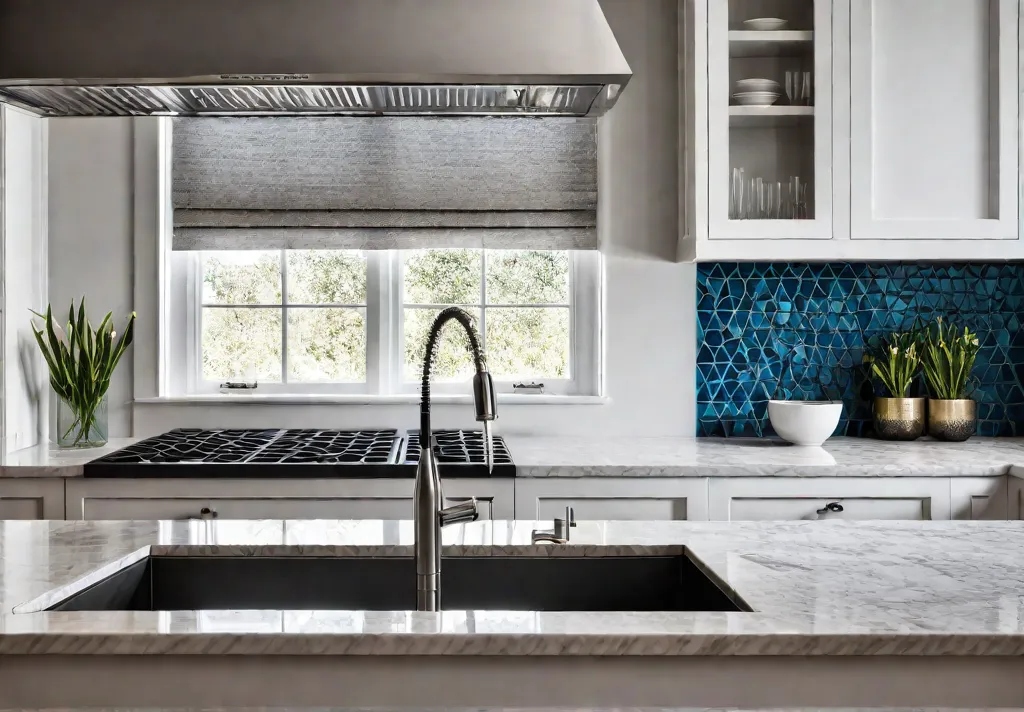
{"points": [[308, 57]]}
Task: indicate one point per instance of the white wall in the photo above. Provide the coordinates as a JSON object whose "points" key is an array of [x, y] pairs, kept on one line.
{"points": [[650, 318], [25, 380], [91, 232]]}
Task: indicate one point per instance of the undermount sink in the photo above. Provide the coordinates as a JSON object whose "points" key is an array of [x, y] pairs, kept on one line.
{"points": [[647, 583]]}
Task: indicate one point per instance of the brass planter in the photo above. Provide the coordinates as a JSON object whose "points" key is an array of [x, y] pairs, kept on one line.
{"points": [[952, 420], [899, 418]]}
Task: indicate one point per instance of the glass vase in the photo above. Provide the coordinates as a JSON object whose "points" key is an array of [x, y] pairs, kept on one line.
{"points": [[81, 427]]}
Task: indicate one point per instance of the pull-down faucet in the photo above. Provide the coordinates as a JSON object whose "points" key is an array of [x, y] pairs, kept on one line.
{"points": [[427, 497]]}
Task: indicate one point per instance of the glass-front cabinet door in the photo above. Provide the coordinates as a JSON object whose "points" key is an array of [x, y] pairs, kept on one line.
{"points": [[770, 119]]}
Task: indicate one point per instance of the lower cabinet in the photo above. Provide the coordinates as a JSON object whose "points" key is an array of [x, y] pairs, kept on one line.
{"points": [[790, 498], [979, 498], [1015, 498], [272, 499], [615, 498], [31, 498]]}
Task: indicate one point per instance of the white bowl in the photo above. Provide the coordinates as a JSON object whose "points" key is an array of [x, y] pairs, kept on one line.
{"points": [[770, 86], [808, 423], [756, 98], [765, 24]]}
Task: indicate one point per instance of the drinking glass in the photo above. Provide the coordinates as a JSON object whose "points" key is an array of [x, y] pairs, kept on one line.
{"points": [[776, 200], [792, 87], [807, 90], [798, 195], [750, 200], [736, 194]]}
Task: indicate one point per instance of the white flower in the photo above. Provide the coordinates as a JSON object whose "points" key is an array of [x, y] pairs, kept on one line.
{"points": [[61, 336]]}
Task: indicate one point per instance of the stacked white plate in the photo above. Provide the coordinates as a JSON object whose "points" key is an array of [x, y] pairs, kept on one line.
{"points": [[765, 24], [755, 98], [762, 85], [757, 92]]}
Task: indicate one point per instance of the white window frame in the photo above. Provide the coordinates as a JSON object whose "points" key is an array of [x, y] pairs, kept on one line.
{"points": [[384, 338]]}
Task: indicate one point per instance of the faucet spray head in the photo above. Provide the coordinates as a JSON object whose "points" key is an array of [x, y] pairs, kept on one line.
{"points": [[486, 411]]}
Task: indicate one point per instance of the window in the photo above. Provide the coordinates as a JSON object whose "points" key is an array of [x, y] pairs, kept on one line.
{"points": [[346, 321]]}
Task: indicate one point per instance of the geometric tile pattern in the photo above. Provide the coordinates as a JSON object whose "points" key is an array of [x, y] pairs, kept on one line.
{"points": [[798, 330]]}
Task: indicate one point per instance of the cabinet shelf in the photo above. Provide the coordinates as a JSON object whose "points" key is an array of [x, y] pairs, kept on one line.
{"points": [[774, 43], [745, 117]]}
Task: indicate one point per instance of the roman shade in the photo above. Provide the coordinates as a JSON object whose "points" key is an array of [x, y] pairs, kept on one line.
{"points": [[384, 183]]}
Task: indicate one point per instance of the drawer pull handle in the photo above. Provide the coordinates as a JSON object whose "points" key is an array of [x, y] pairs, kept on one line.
{"points": [[828, 509]]}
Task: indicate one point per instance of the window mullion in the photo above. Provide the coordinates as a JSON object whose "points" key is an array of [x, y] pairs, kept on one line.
{"points": [[483, 300], [395, 357], [284, 316], [376, 322], [193, 321]]}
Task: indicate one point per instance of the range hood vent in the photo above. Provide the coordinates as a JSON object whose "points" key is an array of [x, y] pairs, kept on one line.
{"points": [[309, 57]]}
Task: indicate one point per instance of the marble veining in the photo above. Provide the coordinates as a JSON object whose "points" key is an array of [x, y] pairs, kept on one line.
{"points": [[568, 456], [48, 461], [817, 588], [756, 457]]}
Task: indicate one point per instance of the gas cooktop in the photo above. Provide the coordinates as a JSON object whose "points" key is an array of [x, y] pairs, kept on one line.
{"points": [[464, 448], [313, 454]]}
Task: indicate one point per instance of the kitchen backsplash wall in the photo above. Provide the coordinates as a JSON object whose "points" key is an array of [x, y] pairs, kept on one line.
{"points": [[797, 330]]}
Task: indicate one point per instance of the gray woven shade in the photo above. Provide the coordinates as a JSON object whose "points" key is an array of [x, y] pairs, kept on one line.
{"points": [[384, 183]]}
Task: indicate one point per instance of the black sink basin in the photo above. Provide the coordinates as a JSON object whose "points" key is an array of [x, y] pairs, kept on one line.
{"points": [[160, 583]]}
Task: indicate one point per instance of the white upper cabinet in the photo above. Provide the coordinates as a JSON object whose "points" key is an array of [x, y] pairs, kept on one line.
{"points": [[895, 134], [934, 119], [770, 119]]}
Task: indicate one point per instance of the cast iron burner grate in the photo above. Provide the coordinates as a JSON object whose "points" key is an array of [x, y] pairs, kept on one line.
{"points": [[255, 453], [464, 449], [330, 446], [190, 445]]}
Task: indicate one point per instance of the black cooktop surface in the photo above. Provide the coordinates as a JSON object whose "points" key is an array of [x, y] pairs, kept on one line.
{"points": [[274, 453]]}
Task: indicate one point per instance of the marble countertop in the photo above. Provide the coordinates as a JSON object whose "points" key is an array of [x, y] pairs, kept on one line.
{"points": [[48, 461], [546, 456], [816, 588], [516, 709], [755, 457]]}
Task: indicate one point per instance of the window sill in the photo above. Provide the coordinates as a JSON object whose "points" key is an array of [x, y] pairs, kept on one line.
{"points": [[357, 399]]}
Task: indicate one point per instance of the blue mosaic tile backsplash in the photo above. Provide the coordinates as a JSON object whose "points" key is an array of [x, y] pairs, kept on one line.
{"points": [[791, 330]]}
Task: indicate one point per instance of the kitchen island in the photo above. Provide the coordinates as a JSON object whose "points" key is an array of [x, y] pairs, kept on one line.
{"points": [[843, 614]]}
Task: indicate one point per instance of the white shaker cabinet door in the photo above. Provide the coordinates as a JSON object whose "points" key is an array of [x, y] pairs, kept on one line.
{"points": [[613, 498], [31, 498], [978, 498], [1015, 507], [860, 498], [934, 107]]}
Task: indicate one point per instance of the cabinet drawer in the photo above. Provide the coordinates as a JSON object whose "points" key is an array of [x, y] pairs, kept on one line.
{"points": [[632, 498], [269, 499], [879, 498], [753, 509]]}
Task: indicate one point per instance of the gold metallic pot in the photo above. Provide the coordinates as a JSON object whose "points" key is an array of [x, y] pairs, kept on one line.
{"points": [[952, 420], [899, 418]]}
